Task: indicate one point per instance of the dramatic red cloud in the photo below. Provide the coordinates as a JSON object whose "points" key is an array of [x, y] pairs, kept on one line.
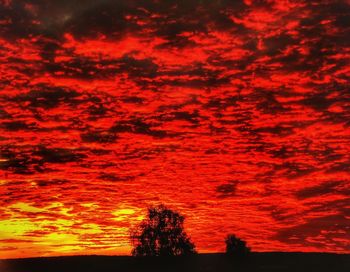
{"points": [[234, 113]]}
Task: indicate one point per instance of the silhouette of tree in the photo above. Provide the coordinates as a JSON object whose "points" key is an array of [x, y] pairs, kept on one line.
{"points": [[161, 234], [236, 247]]}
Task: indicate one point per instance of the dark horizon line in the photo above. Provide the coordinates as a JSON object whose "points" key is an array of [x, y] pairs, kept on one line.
{"points": [[208, 253]]}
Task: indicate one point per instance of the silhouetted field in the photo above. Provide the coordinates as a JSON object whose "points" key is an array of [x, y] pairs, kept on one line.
{"points": [[268, 262]]}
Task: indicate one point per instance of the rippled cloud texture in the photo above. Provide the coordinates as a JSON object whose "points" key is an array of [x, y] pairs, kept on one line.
{"points": [[234, 113]]}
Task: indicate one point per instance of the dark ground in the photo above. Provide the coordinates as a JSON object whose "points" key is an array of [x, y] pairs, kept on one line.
{"points": [[267, 262]]}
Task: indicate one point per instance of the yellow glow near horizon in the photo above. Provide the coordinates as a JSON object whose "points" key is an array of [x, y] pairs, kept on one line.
{"points": [[25, 207], [89, 205], [122, 214], [90, 229], [58, 238], [15, 227]]}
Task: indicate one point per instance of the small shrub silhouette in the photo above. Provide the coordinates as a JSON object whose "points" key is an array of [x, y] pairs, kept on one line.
{"points": [[236, 247], [161, 234]]}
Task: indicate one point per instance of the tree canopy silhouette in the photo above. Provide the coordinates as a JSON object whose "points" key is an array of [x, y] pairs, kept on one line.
{"points": [[161, 234], [236, 247]]}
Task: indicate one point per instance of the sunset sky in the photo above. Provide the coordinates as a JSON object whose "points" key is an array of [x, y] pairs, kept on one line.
{"points": [[234, 113]]}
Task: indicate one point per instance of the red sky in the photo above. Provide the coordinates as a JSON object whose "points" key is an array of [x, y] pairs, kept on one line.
{"points": [[234, 113]]}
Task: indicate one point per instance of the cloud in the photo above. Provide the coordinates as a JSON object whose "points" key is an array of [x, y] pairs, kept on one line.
{"points": [[51, 183], [43, 96], [18, 125], [18, 162], [226, 190], [326, 188], [203, 105], [321, 232], [137, 126], [115, 177], [98, 136], [58, 155]]}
